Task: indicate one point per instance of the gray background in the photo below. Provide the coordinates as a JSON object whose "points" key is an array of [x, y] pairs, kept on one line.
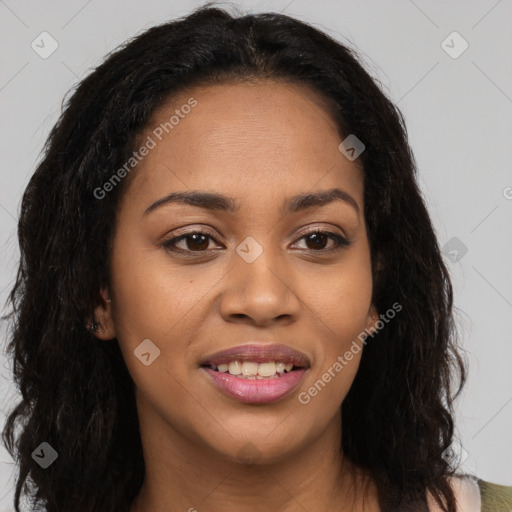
{"points": [[458, 113]]}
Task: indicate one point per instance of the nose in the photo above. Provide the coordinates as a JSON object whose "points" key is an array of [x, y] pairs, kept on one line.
{"points": [[260, 293]]}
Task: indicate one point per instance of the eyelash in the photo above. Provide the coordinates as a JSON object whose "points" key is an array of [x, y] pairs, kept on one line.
{"points": [[341, 242]]}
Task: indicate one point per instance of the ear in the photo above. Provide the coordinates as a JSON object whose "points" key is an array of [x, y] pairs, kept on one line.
{"points": [[106, 329], [372, 319], [378, 264], [373, 315]]}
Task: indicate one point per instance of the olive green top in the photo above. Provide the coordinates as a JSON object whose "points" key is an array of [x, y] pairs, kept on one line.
{"points": [[495, 498]]}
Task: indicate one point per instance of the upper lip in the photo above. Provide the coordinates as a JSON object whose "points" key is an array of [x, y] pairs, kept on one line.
{"points": [[259, 354]]}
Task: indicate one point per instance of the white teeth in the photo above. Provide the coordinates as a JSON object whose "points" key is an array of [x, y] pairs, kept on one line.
{"points": [[235, 368], [253, 370], [266, 369], [249, 368]]}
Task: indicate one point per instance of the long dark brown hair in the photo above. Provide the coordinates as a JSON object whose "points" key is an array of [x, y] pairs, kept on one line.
{"points": [[77, 395]]}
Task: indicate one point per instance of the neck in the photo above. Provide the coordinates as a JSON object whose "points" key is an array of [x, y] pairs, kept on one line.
{"points": [[183, 475]]}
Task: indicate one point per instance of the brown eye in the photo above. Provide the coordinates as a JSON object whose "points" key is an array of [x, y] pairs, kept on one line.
{"points": [[196, 241], [317, 240]]}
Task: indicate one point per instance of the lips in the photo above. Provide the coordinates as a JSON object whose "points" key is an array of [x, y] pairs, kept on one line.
{"points": [[259, 354], [260, 389]]}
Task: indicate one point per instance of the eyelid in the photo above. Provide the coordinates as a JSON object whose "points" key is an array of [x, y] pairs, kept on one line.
{"points": [[193, 230], [298, 233], [325, 227]]}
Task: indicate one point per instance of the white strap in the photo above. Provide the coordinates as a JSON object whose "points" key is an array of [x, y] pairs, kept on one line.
{"points": [[467, 495]]}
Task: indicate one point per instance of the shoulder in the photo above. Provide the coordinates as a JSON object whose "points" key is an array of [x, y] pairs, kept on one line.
{"points": [[467, 493], [495, 497], [475, 495]]}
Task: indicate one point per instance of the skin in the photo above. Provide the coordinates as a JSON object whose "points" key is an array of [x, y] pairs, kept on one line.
{"points": [[259, 143]]}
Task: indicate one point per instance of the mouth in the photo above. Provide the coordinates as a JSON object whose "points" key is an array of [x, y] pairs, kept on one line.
{"points": [[256, 373], [257, 361]]}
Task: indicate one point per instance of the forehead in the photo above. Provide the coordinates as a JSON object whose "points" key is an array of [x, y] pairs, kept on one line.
{"points": [[254, 139]]}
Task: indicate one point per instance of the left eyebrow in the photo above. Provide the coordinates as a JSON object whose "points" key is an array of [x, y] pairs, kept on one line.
{"points": [[213, 201], [318, 198]]}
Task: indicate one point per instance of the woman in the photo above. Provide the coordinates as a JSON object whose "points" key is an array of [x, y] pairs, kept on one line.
{"points": [[230, 294]]}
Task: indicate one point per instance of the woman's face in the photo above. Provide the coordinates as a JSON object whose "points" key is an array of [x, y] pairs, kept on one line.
{"points": [[255, 275]]}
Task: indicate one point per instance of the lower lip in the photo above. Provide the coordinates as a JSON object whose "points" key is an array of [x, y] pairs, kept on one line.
{"points": [[256, 391]]}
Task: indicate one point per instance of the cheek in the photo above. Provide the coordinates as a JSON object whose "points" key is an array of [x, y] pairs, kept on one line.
{"points": [[158, 302], [154, 298], [342, 301], [342, 297]]}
